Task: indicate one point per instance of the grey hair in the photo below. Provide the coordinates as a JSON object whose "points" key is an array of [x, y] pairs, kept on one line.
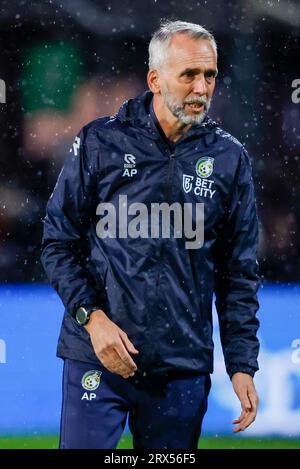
{"points": [[162, 38]]}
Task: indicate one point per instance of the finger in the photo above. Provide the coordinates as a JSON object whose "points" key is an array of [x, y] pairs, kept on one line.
{"points": [[128, 344], [253, 397], [126, 374], [124, 356], [119, 369], [240, 426], [243, 426], [242, 416], [245, 423], [130, 375], [117, 358], [237, 420], [248, 423], [113, 363], [246, 404], [237, 429]]}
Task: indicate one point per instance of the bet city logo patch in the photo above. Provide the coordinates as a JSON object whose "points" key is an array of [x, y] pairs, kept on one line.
{"points": [[201, 185], [90, 382]]}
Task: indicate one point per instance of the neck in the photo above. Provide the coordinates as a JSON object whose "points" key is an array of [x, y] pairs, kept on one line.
{"points": [[171, 126]]}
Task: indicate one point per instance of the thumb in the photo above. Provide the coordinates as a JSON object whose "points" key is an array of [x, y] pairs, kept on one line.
{"points": [[128, 344]]}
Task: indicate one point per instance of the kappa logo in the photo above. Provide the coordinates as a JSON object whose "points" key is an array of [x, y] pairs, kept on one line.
{"points": [[91, 380], [205, 167], [129, 168]]}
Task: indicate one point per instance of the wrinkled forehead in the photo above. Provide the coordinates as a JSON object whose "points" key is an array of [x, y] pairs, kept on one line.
{"points": [[184, 51]]}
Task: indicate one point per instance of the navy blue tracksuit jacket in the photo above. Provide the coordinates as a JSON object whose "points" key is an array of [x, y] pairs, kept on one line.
{"points": [[155, 289]]}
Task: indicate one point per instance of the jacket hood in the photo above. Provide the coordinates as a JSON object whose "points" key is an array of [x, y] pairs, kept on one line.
{"points": [[136, 111]]}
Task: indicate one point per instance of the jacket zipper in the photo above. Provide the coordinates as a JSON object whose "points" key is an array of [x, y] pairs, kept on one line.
{"points": [[170, 176], [169, 187], [168, 193], [168, 198]]}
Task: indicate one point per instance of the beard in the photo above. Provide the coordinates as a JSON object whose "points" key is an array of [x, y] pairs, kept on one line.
{"points": [[177, 108]]}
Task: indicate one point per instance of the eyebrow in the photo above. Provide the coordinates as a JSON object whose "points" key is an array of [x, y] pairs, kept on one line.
{"points": [[196, 70]]}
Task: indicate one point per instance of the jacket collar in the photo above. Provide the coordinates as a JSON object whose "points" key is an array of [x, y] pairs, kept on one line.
{"points": [[136, 112]]}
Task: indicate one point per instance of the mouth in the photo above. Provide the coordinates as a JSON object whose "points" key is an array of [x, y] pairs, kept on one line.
{"points": [[195, 107]]}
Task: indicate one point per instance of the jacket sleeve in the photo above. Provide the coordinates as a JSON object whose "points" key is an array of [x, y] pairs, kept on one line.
{"points": [[68, 217], [237, 277]]}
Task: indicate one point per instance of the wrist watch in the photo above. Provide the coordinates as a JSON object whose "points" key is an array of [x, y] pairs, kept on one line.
{"points": [[83, 314]]}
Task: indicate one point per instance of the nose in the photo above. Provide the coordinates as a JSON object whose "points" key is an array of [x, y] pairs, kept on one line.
{"points": [[199, 87]]}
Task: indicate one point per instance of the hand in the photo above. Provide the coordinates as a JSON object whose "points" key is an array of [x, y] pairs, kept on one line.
{"points": [[244, 388], [111, 344]]}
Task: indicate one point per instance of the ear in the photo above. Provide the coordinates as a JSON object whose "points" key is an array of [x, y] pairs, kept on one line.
{"points": [[153, 81]]}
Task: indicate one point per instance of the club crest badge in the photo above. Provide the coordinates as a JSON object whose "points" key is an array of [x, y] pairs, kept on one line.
{"points": [[205, 167], [91, 380]]}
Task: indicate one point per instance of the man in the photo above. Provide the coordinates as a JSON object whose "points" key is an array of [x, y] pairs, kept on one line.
{"points": [[137, 332]]}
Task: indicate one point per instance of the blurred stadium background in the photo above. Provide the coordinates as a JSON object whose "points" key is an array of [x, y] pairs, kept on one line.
{"points": [[66, 62]]}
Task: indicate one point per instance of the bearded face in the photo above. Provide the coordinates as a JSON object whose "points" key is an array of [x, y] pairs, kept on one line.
{"points": [[188, 111], [187, 78]]}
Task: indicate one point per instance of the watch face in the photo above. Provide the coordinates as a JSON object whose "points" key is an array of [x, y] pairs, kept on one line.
{"points": [[81, 316]]}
